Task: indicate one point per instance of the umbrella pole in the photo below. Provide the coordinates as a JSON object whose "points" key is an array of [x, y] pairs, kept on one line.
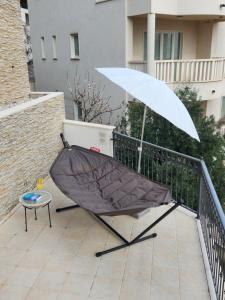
{"points": [[142, 136]]}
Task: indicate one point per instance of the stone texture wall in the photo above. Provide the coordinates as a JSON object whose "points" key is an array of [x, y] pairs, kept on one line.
{"points": [[14, 81], [29, 143]]}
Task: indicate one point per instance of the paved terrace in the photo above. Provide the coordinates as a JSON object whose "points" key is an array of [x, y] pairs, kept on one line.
{"points": [[59, 262]]}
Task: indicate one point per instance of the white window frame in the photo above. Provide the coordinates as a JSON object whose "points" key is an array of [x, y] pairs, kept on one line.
{"points": [[43, 56], [54, 50], [73, 54]]}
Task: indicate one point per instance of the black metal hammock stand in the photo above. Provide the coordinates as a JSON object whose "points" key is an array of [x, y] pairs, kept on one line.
{"points": [[103, 186]]}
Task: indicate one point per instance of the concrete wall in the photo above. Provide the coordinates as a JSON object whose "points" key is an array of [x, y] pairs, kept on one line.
{"points": [[89, 135], [102, 29], [214, 108], [164, 7], [14, 83], [218, 40], [205, 41], [200, 7], [29, 144], [190, 7]]}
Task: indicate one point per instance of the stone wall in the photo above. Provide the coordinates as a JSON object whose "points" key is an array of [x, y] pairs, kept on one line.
{"points": [[29, 143], [14, 81]]}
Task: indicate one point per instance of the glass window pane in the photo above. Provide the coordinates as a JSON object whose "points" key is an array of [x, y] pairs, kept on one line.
{"points": [[76, 45], [145, 46], [177, 45], [167, 45], [157, 45]]}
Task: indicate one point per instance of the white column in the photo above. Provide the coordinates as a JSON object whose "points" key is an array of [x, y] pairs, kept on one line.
{"points": [[151, 44], [129, 40]]}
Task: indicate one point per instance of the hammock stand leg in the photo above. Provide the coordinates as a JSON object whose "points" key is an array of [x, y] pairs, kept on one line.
{"points": [[139, 238], [67, 208]]}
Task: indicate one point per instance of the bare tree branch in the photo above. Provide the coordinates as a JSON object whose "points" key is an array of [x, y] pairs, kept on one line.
{"points": [[90, 98]]}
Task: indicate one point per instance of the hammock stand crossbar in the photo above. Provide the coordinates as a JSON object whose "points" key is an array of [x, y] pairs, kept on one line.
{"points": [[139, 238]]}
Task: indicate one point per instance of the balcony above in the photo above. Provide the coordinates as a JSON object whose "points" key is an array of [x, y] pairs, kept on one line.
{"points": [[202, 9], [186, 71]]}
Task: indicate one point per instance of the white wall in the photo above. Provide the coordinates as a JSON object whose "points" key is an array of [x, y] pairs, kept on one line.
{"points": [[201, 7], [164, 7], [214, 108], [89, 135], [218, 40]]}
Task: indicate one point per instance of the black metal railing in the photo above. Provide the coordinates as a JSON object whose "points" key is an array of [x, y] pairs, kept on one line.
{"points": [[189, 182]]}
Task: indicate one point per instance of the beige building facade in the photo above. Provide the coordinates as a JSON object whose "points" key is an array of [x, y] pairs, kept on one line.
{"points": [[181, 43], [14, 83]]}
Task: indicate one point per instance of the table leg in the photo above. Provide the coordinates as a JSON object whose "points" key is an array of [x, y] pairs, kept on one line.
{"points": [[25, 218], [35, 212], [50, 224]]}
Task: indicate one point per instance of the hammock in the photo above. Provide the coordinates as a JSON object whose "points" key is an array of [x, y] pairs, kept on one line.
{"points": [[103, 186]]}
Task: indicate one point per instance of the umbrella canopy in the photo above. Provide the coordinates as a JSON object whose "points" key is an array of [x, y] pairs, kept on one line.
{"points": [[153, 93]]}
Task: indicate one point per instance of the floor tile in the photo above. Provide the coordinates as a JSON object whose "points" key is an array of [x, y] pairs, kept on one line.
{"points": [[22, 276], [105, 288], [83, 265], [77, 285], [135, 289], [112, 269], [10, 292], [52, 281], [167, 277], [194, 295], [5, 272], [139, 267], [37, 294], [162, 292]]}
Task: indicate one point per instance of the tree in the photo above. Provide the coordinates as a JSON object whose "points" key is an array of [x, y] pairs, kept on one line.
{"points": [[90, 100], [161, 132]]}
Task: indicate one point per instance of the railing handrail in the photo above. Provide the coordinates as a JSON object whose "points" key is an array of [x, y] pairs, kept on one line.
{"points": [[213, 192], [140, 61], [190, 60], [161, 148]]}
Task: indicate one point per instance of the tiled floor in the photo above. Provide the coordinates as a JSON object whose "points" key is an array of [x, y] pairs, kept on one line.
{"points": [[59, 262]]}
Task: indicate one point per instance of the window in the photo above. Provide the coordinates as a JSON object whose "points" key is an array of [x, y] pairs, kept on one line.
{"points": [[27, 19], [223, 107], [74, 46], [168, 45], [145, 47], [43, 48], [54, 47]]}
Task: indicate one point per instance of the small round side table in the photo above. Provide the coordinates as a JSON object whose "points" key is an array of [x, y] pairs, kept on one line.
{"points": [[45, 200]]}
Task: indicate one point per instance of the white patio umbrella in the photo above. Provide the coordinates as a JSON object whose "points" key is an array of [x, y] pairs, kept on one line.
{"points": [[156, 95]]}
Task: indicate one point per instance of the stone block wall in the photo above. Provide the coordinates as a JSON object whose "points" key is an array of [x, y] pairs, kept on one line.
{"points": [[14, 82], [29, 144]]}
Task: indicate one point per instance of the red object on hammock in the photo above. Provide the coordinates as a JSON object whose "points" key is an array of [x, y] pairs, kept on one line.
{"points": [[94, 149]]}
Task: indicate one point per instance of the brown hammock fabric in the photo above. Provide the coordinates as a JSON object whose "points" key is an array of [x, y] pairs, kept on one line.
{"points": [[102, 185]]}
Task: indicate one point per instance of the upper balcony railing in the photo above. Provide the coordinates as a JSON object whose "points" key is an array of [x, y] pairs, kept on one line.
{"points": [[189, 182], [186, 71]]}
